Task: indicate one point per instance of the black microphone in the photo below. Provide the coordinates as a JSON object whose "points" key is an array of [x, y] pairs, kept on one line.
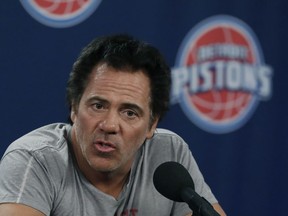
{"points": [[172, 180]]}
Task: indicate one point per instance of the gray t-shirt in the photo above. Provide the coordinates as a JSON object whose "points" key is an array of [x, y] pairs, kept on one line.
{"points": [[39, 170]]}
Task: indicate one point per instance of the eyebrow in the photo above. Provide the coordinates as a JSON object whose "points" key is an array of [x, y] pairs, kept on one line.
{"points": [[97, 98], [134, 107]]}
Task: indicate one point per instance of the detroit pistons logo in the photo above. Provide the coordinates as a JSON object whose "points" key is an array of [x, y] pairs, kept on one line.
{"points": [[60, 13], [220, 76]]}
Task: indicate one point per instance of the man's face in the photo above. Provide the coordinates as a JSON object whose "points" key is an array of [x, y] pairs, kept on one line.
{"points": [[112, 120]]}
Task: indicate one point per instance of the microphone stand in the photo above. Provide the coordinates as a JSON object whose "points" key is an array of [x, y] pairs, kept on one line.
{"points": [[199, 205]]}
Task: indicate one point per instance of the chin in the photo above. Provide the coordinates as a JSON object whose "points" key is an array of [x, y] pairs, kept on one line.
{"points": [[105, 167]]}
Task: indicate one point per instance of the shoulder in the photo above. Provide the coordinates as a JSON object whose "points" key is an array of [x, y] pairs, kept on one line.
{"points": [[46, 146], [44, 151], [52, 136], [166, 145], [168, 138]]}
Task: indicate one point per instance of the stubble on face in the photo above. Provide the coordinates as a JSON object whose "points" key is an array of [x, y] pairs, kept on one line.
{"points": [[107, 140]]}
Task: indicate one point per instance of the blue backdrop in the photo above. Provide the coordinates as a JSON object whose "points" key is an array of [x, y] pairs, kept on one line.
{"points": [[246, 167]]}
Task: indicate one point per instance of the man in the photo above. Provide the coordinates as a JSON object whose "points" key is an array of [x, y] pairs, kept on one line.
{"points": [[103, 163]]}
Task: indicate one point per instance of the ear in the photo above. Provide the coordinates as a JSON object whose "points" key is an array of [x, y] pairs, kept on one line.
{"points": [[152, 129], [73, 114]]}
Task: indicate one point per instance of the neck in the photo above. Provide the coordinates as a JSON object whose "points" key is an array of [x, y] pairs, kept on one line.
{"points": [[110, 183]]}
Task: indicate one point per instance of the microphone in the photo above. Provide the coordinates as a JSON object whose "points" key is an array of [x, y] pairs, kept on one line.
{"points": [[173, 181]]}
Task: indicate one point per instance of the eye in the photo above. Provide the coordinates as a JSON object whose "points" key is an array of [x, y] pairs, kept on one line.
{"points": [[130, 113], [98, 106]]}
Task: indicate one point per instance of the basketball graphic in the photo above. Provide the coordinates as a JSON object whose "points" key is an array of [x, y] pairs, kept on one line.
{"points": [[60, 13], [220, 76]]}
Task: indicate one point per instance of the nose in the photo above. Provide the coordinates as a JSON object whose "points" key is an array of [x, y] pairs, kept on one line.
{"points": [[110, 123]]}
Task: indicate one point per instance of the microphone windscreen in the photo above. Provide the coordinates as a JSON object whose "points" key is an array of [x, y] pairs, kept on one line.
{"points": [[170, 178]]}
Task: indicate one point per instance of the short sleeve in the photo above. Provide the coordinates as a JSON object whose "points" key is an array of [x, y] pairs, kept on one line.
{"points": [[201, 187], [24, 180]]}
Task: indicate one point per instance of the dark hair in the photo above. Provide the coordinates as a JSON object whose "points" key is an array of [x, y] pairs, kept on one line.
{"points": [[122, 52]]}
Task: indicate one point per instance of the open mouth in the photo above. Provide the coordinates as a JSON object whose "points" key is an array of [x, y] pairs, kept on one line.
{"points": [[105, 147]]}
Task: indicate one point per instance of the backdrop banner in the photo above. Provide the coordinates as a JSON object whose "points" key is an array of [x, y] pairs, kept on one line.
{"points": [[229, 75]]}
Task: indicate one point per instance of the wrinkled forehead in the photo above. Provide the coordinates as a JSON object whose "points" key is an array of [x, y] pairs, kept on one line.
{"points": [[107, 78]]}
